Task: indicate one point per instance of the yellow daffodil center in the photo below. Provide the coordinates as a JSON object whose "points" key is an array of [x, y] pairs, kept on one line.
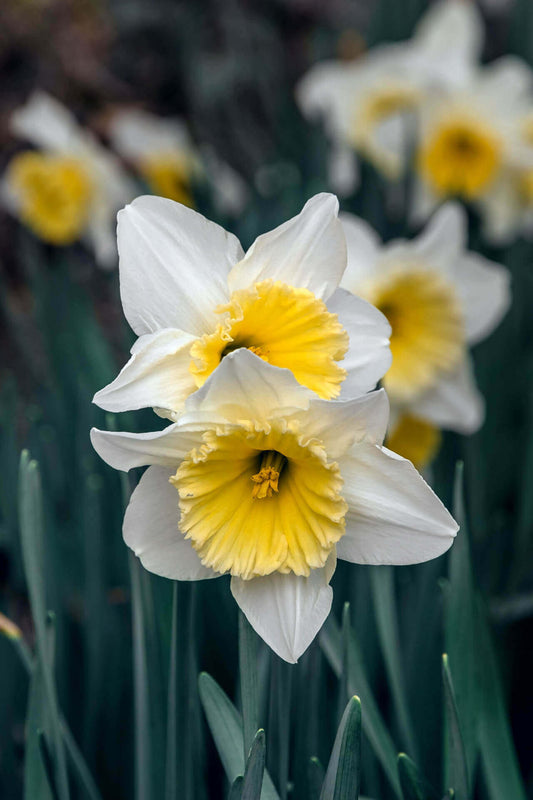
{"points": [[461, 157], [285, 326], [384, 101], [427, 328], [53, 193], [415, 439], [255, 501], [169, 176]]}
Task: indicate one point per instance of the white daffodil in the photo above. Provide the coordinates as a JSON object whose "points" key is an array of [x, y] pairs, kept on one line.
{"points": [[439, 299], [71, 187], [192, 296], [262, 480], [367, 104], [472, 146], [162, 150]]}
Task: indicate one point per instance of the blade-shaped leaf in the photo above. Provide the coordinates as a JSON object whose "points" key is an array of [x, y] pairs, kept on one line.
{"points": [[458, 776], [255, 768], [414, 787], [344, 769]]}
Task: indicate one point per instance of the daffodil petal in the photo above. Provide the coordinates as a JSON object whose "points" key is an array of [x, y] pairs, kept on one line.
{"points": [[308, 251], [123, 450], [369, 356], [157, 375], [343, 169], [287, 611], [393, 517], [454, 403], [243, 386], [44, 122], [443, 240], [151, 530], [450, 37], [341, 423], [363, 245], [484, 289], [173, 266]]}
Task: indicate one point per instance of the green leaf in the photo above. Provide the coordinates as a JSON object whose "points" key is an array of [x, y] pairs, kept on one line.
{"points": [[382, 583], [225, 724], [498, 756], [171, 771], [414, 787], [255, 768], [372, 721], [458, 776], [141, 695], [32, 536], [460, 632], [235, 793], [47, 763], [249, 681], [344, 769], [315, 778], [36, 783]]}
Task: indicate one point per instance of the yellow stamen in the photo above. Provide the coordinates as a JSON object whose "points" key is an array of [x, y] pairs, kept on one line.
{"points": [[169, 176], [427, 337], [268, 476], [415, 439], [461, 157], [285, 326], [54, 195], [301, 515]]}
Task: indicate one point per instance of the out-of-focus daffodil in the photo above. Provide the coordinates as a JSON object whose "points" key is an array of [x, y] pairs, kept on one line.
{"points": [[71, 187], [262, 480], [367, 104], [193, 296], [163, 153], [472, 146], [439, 299]]}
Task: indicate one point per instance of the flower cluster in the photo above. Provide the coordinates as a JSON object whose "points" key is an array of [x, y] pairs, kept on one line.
{"points": [[466, 129], [273, 465]]}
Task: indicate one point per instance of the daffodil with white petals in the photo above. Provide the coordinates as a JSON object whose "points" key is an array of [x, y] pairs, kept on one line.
{"points": [[369, 105], [262, 480], [472, 145], [193, 296], [162, 151], [70, 188], [440, 299]]}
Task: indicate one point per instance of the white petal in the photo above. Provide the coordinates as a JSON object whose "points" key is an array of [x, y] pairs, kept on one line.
{"points": [[102, 238], [151, 530], [244, 386], [343, 169], [443, 240], [506, 84], [287, 611], [157, 375], [307, 251], [173, 266], [369, 356], [449, 38], [46, 123], [485, 291], [394, 517], [455, 403], [362, 248], [502, 211], [137, 134], [340, 423], [122, 450]]}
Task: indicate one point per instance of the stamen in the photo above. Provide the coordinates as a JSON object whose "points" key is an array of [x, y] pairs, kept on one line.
{"points": [[267, 478]]}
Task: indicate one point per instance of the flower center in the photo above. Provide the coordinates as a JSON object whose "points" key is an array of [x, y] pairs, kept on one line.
{"points": [[169, 176], [266, 480], [286, 326], [54, 195], [378, 106], [427, 328], [461, 158], [415, 439], [301, 513]]}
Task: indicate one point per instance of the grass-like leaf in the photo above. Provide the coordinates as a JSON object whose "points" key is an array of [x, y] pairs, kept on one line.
{"points": [[343, 775], [414, 787], [458, 776], [255, 768]]}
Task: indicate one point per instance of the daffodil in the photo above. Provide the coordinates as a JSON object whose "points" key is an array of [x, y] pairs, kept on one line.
{"points": [[472, 145], [370, 104], [440, 299], [193, 296], [162, 151], [262, 480], [68, 189]]}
